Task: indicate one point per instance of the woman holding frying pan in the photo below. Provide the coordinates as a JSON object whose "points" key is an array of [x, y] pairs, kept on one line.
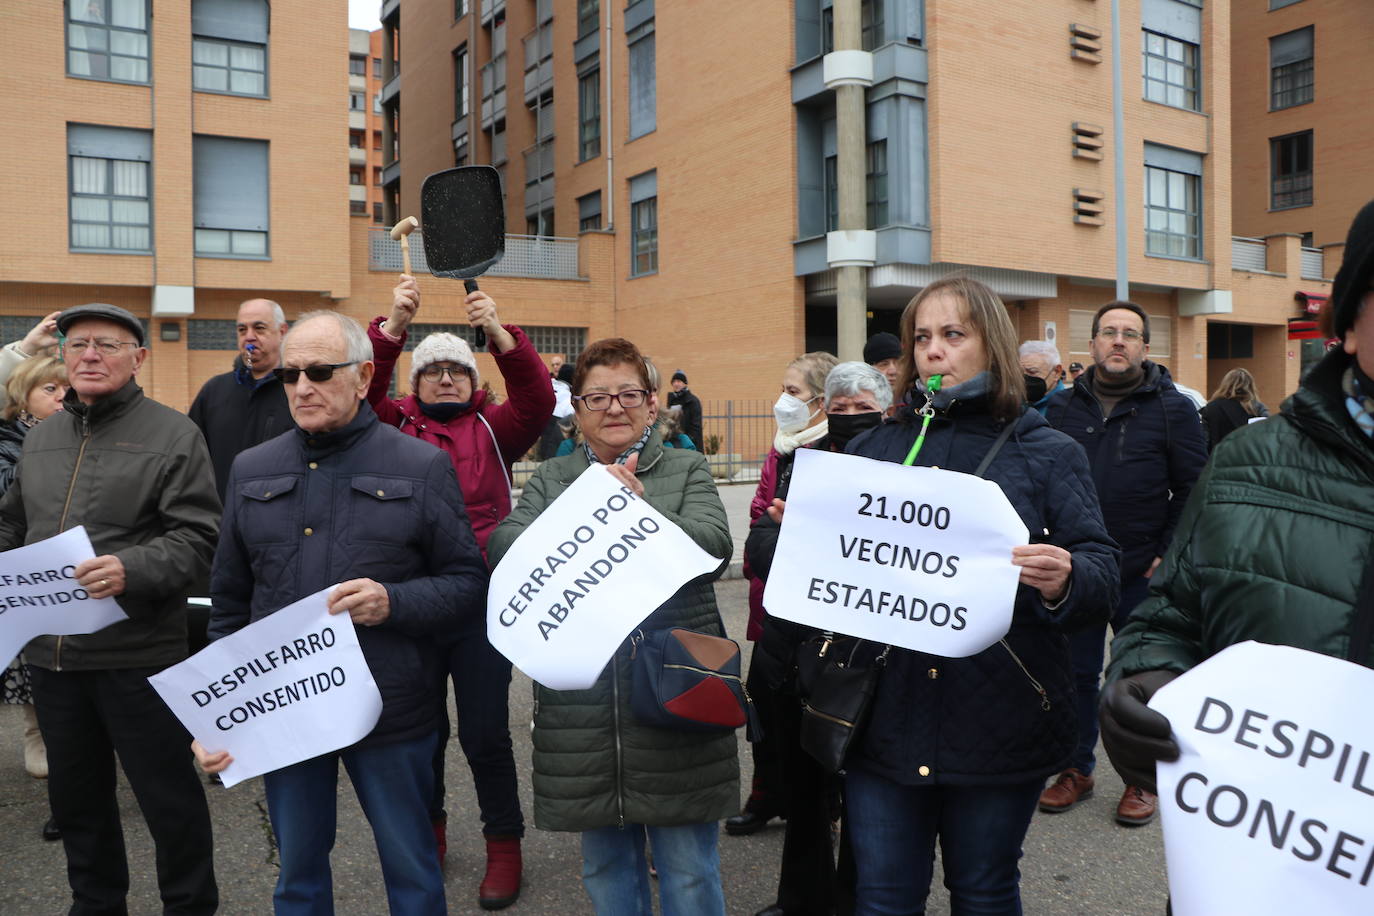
{"points": [[446, 407]]}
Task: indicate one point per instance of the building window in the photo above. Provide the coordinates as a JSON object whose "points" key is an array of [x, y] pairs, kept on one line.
{"points": [[355, 139], [376, 177], [643, 85], [589, 212], [832, 193], [231, 203], [460, 83], [357, 101], [357, 66], [355, 176], [376, 68], [876, 183], [460, 8], [1290, 171], [1173, 225], [377, 212], [108, 39], [540, 223], [1291, 77], [827, 30], [376, 103], [357, 208], [111, 204], [1280, 4], [589, 115], [588, 17], [871, 24], [229, 47], [644, 224], [1171, 71]]}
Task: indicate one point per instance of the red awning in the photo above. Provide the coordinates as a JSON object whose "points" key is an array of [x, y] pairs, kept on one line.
{"points": [[1303, 329], [1311, 302]]}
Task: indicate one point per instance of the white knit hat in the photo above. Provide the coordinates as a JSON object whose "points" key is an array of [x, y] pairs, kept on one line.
{"points": [[439, 348]]}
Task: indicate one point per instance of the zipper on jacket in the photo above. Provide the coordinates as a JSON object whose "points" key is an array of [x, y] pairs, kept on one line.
{"points": [[619, 755], [66, 507], [1039, 688]]}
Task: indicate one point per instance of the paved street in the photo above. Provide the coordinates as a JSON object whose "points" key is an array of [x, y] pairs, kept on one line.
{"points": [[1076, 864]]}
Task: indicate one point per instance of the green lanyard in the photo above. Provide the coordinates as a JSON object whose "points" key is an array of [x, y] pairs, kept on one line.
{"points": [[932, 386]]}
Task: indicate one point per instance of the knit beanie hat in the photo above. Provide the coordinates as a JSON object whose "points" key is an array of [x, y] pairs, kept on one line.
{"points": [[882, 346], [1353, 279], [442, 347], [679, 376]]}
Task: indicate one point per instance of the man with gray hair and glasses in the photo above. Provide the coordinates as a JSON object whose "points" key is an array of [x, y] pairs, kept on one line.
{"points": [[346, 499], [1146, 447]]}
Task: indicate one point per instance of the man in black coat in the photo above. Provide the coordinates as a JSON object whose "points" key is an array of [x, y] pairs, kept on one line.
{"points": [[682, 397], [247, 405], [344, 499], [1146, 448]]}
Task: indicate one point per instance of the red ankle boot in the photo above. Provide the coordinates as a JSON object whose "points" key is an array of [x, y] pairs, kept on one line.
{"points": [[501, 886]]}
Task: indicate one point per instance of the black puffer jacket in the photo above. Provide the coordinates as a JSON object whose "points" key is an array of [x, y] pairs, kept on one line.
{"points": [[235, 414], [1150, 447], [982, 720], [12, 434], [366, 501]]}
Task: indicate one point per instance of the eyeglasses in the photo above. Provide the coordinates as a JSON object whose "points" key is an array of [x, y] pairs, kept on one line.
{"points": [[1131, 335], [629, 399], [105, 346], [320, 373], [435, 373]]}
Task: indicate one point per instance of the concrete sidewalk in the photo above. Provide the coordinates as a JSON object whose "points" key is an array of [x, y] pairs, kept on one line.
{"points": [[736, 497]]}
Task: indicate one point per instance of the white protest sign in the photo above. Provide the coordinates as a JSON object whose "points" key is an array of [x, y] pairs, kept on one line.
{"points": [[1270, 806], [39, 595], [915, 557], [286, 688], [582, 576]]}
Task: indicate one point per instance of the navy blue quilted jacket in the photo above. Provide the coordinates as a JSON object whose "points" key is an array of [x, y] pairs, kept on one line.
{"points": [[984, 719], [304, 512], [1150, 447]]}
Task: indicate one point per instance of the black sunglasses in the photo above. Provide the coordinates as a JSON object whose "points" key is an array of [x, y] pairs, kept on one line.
{"points": [[321, 373]]}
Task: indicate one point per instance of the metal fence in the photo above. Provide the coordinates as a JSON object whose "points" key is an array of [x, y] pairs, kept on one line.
{"points": [[526, 256], [738, 434]]}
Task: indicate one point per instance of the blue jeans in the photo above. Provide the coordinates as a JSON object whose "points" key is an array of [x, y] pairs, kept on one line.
{"points": [[1085, 650], [393, 783], [894, 829], [616, 873]]}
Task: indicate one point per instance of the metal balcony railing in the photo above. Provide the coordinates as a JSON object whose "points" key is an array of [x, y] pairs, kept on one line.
{"points": [[539, 257], [1247, 254], [1312, 264]]}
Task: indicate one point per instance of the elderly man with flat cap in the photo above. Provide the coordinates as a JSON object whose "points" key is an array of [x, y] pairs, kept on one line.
{"points": [[137, 475]]}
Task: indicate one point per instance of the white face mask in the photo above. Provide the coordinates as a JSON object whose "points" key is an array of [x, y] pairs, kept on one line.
{"points": [[791, 413]]}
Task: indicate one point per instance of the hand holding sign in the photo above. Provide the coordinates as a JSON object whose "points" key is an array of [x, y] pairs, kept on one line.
{"points": [[101, 577], [1045, 567], [364, 600], [1270, 806]]}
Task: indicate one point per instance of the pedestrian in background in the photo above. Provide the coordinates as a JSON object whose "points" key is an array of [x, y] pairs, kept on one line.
{"points": [[1233, 405], [597, 770], [957, 749], [1044, 374], [883, 352], [1146, 448], [682, 398], [447, 408]]}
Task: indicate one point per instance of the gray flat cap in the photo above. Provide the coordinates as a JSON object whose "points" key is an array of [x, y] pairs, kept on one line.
{"points": [[104, 311]]}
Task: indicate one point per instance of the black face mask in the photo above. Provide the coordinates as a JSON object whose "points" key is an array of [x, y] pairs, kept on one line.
{"points": [[845, 426], [1035, 388], [443, 411]]}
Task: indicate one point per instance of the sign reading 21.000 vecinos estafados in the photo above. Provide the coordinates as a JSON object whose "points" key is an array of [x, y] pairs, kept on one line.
{"points": [[914, 557]]}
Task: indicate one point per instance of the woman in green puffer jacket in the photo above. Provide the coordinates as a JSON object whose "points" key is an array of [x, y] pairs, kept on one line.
{"points": [[597, 770], [1277, 541]]}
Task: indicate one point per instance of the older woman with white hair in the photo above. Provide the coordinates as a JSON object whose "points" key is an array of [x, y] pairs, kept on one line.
{"points": [[856, 397], [448, 408], [1043, 372]]}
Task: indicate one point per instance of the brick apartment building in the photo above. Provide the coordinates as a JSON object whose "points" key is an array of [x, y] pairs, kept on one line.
{"points": [[671, 181]]}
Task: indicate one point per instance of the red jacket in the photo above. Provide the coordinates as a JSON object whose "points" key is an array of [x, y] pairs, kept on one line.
{"points": [[763, 498], [516, 424]]}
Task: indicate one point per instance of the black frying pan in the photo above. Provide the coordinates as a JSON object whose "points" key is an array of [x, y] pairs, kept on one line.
{"points": [[464, 224]]}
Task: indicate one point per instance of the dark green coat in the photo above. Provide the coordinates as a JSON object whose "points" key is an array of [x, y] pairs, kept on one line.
{"points": [[594, 765], [1273, 545]]}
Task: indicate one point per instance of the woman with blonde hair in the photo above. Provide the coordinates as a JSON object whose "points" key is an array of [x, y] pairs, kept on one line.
{"points": [[956, 749], [35, 390], [1233, 405]]}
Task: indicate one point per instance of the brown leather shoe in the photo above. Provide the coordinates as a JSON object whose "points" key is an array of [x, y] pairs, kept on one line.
{"points": [[1068, 790], [1137, 807]]}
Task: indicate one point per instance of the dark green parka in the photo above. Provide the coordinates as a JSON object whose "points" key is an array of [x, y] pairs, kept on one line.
{"points": [[1273, 545], [594, 765]]}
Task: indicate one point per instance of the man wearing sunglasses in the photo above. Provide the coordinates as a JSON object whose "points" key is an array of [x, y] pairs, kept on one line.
{"points": [[345, 499], [448, 408], [137, 476]]}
